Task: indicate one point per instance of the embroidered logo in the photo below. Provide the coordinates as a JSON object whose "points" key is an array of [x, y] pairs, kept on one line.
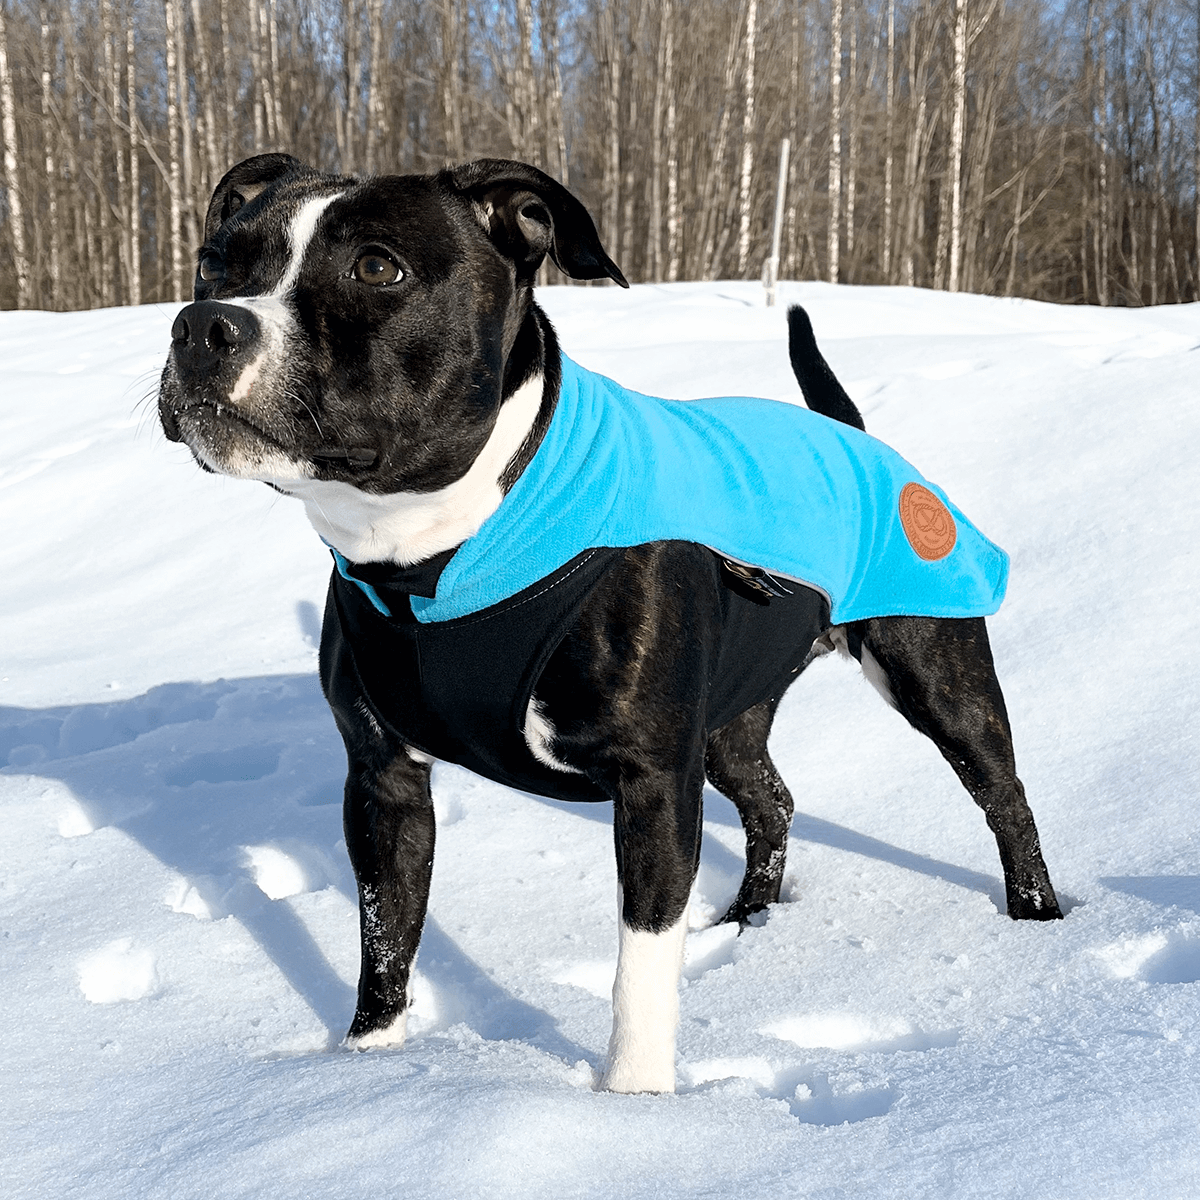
{"points": [[927, 522]]}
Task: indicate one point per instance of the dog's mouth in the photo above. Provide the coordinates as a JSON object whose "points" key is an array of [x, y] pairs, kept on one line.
{"points": [[226, 441], [221, 435], [208, 417]]}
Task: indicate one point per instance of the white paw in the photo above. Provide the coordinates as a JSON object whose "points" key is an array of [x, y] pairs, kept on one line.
{"points": [[639, 1073], [641, 1051]]}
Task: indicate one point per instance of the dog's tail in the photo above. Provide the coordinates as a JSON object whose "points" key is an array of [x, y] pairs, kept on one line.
{"points": [[822, 392]]}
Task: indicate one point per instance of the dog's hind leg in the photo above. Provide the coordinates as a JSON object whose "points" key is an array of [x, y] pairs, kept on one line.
{"points": [[739, 767], [940, 676]]}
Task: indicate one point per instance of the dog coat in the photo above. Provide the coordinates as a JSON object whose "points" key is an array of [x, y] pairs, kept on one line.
{"points": [[448, 653], [460, 689], [762, 482]]}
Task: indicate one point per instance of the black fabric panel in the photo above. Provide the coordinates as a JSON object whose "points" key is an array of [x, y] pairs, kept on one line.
{"points": [[762, 646], [459, 690]]}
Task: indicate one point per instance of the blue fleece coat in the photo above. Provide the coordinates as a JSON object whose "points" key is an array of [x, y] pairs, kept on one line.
{"points": [[765, 483]]}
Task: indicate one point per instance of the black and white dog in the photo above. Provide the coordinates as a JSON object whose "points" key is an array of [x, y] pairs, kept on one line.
{"points": [[372, 347]]}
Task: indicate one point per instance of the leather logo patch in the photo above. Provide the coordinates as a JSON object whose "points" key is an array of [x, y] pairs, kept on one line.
{"points": [[927, 523]]}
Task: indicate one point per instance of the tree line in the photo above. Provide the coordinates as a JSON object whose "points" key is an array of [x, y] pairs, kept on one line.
{"points": [[1010, 147]]}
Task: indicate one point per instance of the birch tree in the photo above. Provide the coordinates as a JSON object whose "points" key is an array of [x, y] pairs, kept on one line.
{"points": [[747, 177], [889, 141], [173, 13], [12, 179], [134, 215], [48, 140], [1051, 152], [835, 141]]}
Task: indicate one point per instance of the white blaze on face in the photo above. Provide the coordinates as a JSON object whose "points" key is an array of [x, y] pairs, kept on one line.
{"points": [[300, 234], [641, 1051], [257, 387]]}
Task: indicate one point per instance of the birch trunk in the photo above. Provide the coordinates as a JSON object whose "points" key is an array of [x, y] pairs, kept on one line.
{"points": [[352, 50], [611, 56], [276, 102], [376, 120], [175, 179], [852, 157], [957, 131], [48, 137], [835, 141], [1015, 234], [74, 137], [189, 199], [105, 270], [256, 77], [212, 160], [709, 204], [789, 240], [134, 219], [452, 134], [227, 134], [267, 83], [654, 249], [674, 249], [807, 170], [112, 78], [747, 178], [632, 128], [1103, 267], [554, 122], [889, 142], [12, 182]]}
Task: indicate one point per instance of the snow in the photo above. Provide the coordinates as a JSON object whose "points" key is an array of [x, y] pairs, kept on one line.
{"points": [[179, 945]]}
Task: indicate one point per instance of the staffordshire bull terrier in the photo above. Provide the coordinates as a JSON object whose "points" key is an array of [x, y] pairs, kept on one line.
{"points": [[567, 587]]}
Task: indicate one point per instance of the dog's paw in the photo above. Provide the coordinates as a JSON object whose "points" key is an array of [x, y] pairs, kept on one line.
{"points": [[745, 915], [388, 1037], [635, 1078], [1034, 906], [639, 1064]]}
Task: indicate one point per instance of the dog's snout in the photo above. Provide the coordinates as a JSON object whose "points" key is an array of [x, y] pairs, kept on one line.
{"points": [[207, 334]]}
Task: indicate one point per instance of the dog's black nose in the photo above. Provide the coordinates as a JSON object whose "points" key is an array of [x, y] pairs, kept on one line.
{"points": [[207, 334]]}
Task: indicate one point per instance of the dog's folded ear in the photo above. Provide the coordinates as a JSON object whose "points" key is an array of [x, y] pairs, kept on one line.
{"points": [[245, 181], [529, 215]]}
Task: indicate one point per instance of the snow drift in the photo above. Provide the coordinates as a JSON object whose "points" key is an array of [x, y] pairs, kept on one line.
{"points": [[179, 930]]}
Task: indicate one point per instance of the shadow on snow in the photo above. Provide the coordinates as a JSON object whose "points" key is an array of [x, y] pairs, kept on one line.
{"points": [[205, 775]]}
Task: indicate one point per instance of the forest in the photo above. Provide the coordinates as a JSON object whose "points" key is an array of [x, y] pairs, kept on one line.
{"points": [[1005, 147]]}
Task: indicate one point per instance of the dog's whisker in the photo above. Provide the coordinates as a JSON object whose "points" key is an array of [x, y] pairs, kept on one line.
{"points": [[303, 404]]}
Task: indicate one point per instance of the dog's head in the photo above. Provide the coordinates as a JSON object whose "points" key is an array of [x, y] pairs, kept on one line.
{"points": [[363, 331]]}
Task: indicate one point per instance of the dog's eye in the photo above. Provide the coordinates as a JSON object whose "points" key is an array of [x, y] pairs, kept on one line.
{"points": [[211, 267], [376, 268]]}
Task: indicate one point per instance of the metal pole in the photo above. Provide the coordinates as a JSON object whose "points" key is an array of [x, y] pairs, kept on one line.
{"points": [[771, 266]]}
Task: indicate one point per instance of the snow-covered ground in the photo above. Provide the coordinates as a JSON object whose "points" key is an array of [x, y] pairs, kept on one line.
{"points": [[179, 938]]}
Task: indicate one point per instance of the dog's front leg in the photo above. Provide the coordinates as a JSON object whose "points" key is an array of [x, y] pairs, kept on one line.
{"points": [[387, 815], [657, 824], [623, 700], [388, 818]]}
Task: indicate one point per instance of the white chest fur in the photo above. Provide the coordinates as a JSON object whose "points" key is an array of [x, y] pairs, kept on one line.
{"points": [[407, 527]]}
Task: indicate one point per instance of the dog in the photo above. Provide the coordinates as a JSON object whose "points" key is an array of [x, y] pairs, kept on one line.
{"points": [[373, 348]]}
